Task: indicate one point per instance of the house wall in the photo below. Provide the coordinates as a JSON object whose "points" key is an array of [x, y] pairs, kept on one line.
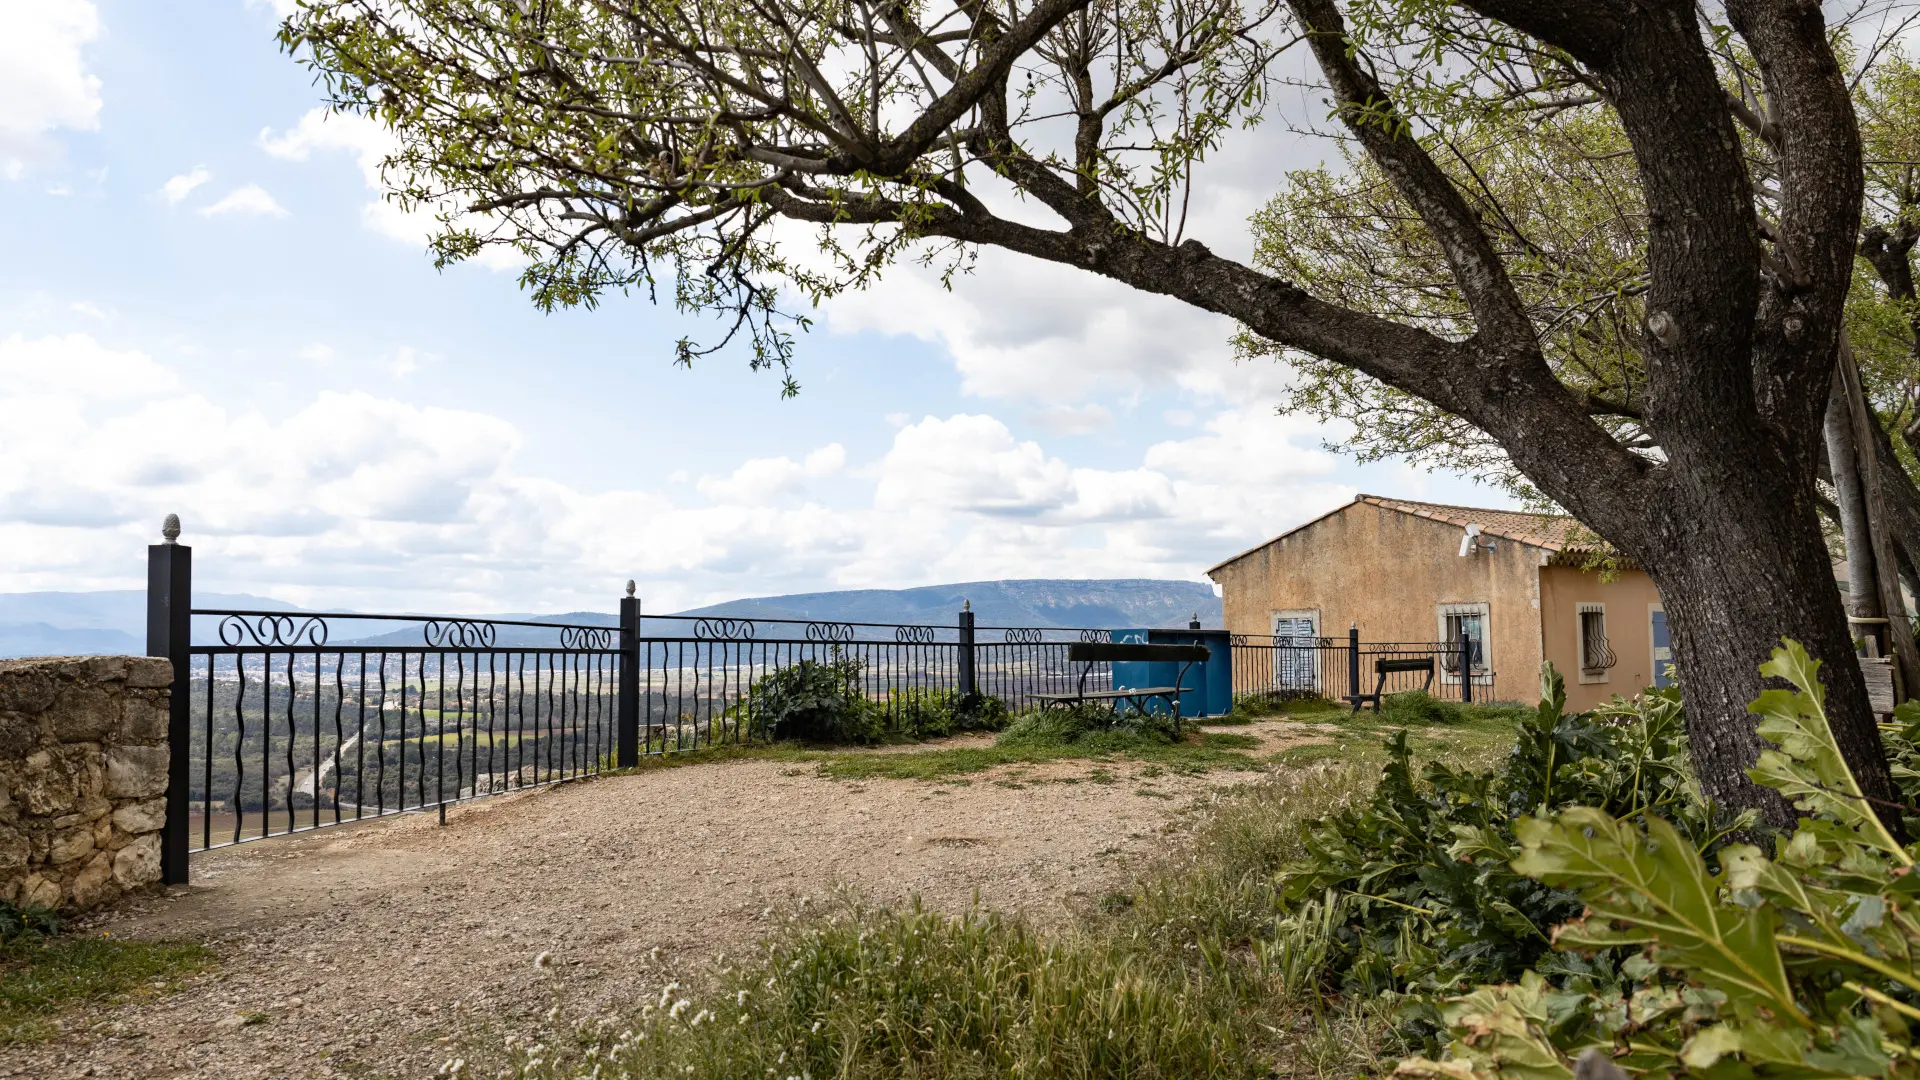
{"points": [[1389, 571], [1628, 600]]}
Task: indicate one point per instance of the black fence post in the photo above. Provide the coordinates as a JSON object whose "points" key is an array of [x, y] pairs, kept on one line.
{"points": [[169, 633], [1353, 665], [628, 754], [967, 681], [1466, 666]]}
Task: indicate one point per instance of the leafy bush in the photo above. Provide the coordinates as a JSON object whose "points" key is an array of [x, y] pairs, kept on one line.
{"points": [[935, 714], [17, 923], [1417, 708], [821, 701], [877, 993], [1411, 891], [1087, 724], [1804, 964], [815, 701]]}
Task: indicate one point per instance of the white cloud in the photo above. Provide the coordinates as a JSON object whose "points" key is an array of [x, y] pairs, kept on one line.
{"points": [[1022, 329], [179, 187], [360, 500], [763, 480], [249, 201], [280, 8], [408, 360], [44, 81], [1072, 419], [321, 130], [316, 353]]}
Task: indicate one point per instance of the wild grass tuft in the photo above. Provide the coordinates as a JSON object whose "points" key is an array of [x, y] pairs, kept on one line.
{"points": [[870, 992], [43, 977]]}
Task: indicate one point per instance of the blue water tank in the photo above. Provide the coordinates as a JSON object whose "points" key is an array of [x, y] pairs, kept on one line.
{"points": [[1208, 688]]}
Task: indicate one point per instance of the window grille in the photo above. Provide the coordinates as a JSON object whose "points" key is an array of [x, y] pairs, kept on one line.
{"points": [[1596, 656], [1472, 620]]}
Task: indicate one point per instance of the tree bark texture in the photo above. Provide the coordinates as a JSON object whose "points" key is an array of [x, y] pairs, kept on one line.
{"points": [[1863, 588]]}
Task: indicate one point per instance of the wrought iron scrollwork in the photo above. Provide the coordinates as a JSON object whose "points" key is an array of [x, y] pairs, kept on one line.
{"points": [[586, 637], [1239, 641], [267, 630], [1097, 636], [919, 635], [458, 633], [724, 629], [829, 631], [1025, 635]]}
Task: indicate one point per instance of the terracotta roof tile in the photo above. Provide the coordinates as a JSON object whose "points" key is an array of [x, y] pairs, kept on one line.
{"points": [[1554, 532], [1565, 537]]}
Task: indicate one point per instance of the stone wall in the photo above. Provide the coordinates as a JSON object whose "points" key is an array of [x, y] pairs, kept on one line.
{"points": [[83, 778]]}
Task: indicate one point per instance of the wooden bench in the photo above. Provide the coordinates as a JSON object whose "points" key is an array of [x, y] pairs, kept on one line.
{"points": [[1091, 653], [1389, 665]]}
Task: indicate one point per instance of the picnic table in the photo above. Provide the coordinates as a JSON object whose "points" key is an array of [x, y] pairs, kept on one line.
{"points": [[1094, 652]]}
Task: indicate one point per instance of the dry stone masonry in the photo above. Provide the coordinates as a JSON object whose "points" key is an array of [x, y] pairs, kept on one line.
{"points": [[83, 778]]}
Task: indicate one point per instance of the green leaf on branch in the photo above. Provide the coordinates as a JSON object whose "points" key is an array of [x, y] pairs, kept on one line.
{"points": [[1807, 765], [1655, 887]]}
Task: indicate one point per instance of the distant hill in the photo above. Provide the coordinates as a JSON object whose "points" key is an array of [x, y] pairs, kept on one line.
{"points": [[83, 623]]}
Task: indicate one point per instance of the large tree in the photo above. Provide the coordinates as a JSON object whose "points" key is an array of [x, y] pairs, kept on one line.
{"points": [[642, 142]]}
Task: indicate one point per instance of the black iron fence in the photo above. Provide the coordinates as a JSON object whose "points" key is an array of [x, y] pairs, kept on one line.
{"points": [[1291, 667], [694, 672], [289, 721], [292, 728]]}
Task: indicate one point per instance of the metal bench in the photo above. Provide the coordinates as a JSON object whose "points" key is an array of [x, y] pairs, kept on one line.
{"points": [[1388, 665], [1091, 653]]}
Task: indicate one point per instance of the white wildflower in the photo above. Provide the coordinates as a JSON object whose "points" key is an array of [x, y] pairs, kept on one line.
{"points": [[678, 1008], [543, 962], [701, 1017], [740, 999]]}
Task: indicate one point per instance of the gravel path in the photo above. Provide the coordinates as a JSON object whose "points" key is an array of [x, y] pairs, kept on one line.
{"points": [[370, 950]]}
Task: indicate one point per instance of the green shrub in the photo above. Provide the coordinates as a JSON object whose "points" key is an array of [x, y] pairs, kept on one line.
{"points": [[17, 923], [1417, 708], [814, 701], [935, 714], [873, 993], [1087, 724], [1410, 892], [1802, 964]]}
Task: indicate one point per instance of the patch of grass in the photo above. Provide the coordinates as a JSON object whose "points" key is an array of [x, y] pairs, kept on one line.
{"points": [[1055, 735], [1226, 740], [1194, 970], [1255, 707], [44, 977], [871, 993]]}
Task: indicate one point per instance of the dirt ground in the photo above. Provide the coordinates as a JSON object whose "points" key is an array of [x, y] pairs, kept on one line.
{"points": [[373, 950]]}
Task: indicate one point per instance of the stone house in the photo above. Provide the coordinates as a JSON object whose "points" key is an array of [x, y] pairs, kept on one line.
{"points": [[1409, 571]]}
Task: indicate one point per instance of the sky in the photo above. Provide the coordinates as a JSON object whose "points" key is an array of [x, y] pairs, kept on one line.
{"points": [[207, 309]]}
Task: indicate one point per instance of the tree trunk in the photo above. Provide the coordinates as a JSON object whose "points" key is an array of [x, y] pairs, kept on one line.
{"points": [[1863, 587], [1740, 564]]}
